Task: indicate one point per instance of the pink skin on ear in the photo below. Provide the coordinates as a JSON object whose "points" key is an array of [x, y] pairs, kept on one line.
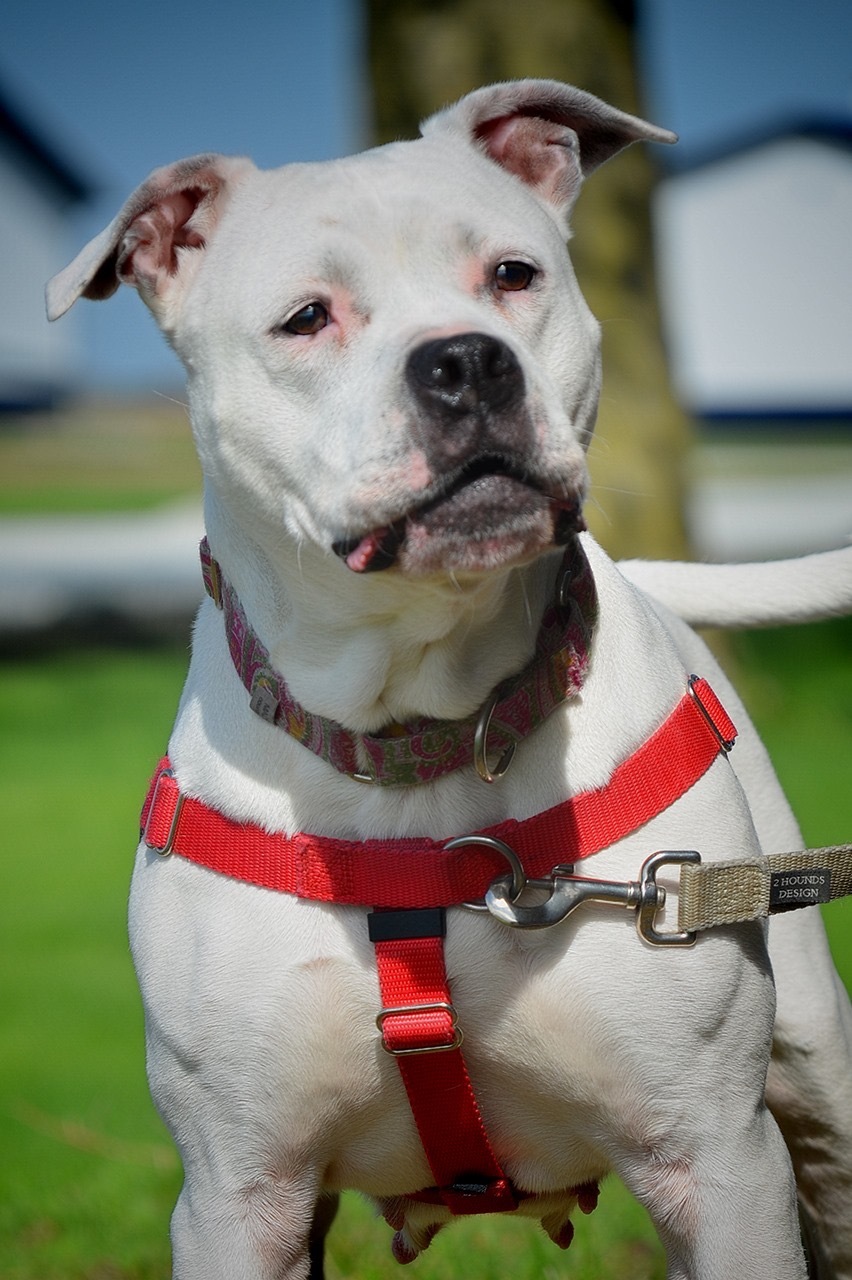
{"points": [[149, 249], [542, 154]]}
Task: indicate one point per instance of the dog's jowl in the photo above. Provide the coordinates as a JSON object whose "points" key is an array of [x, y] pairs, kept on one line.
{"points": [[417, 684]]}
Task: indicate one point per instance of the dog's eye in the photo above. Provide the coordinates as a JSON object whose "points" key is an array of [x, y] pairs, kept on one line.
{"points": [[310, 319], [512, 277]]}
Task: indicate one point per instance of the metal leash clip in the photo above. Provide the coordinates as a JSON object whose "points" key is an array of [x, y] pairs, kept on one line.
{"points": [[566, 892]]}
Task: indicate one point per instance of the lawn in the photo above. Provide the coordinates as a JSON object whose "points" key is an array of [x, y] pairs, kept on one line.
{"points": [[97, 457], [89, 1177]]}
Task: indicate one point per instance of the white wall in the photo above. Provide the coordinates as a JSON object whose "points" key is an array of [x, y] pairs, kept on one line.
{"points": [[32, 247], [755, 271]]}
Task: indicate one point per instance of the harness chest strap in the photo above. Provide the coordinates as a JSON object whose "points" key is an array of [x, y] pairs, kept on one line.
{"points": [[419, 1025], [420, 1029], [419, 872], [418, 1021]]}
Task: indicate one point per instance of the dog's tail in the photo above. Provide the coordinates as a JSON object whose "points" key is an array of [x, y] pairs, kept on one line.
{"points": [[770, 594]]}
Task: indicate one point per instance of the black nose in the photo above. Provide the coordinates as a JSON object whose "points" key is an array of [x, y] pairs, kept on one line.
{"points": [[467, 373]]}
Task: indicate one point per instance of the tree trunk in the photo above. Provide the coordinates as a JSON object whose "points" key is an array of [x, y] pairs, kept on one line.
{"points": [[426, 53]]}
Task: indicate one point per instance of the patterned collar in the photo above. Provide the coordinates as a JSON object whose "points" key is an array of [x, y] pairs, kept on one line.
{"points": [[424, 749]]}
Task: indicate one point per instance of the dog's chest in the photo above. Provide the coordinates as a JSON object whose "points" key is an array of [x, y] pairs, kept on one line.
{"points": [[274, 1001], [546, 1059]]}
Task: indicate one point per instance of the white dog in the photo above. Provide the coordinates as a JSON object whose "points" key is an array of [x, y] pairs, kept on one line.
{"points": [[393, 378]]}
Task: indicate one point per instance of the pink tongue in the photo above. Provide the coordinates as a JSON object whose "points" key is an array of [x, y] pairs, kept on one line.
{"points": [[359, 559]]}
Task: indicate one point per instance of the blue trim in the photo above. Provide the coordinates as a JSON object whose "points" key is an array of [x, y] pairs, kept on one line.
{"points": [[13, 128], [839, 420], [831, 130]]}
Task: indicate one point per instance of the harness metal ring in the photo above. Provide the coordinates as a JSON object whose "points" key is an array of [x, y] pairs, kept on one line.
{"points": [[519, 876], [480, 745]]}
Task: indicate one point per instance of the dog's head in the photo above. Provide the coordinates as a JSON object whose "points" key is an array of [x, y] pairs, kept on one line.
{"points": [[388, 356]]}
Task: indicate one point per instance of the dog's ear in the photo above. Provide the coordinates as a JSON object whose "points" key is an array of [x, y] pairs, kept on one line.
{"points": [[550, 135], [154, 241]]}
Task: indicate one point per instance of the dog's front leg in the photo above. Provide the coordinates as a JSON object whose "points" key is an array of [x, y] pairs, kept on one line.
{"points": [[256, 1063], [252, 1206], [261, 1230], [809, 1088], [728, 1208], [697, 1145]]}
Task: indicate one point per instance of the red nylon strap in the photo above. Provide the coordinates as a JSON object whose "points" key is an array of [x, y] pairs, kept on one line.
{"points": [[418, 872], [419, 1027], [418, 1021]]}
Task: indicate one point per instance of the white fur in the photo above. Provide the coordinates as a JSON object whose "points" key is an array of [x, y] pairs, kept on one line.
{"points": [[589, 1050]]}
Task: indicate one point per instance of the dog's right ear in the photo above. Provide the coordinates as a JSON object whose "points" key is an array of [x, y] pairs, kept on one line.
{"points": [[156, 240], [549, 135]]}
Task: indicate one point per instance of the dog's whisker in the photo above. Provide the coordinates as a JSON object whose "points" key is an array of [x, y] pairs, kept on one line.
{"points": [[161, 395], [593, 501], [629, 493]]}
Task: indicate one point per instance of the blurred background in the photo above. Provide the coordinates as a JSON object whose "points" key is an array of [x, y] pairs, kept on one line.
{"points": [[722, 273]]}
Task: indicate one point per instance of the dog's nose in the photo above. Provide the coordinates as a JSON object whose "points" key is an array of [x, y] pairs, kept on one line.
{"points": [[466, 373]]}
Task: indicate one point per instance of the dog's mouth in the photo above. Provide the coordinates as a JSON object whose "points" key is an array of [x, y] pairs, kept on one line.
{"points": [[490, 511]]}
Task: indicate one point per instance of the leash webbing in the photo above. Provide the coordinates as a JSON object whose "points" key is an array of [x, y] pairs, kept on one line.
{"points": [[716, 893]]}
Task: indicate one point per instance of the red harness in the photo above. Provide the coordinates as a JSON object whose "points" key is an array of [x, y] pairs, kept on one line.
{"points": [[418, 1022]]}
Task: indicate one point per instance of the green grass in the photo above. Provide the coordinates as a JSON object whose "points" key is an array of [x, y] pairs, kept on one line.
{"points": [[88, 1176], [616, 1240], [97, 457]]}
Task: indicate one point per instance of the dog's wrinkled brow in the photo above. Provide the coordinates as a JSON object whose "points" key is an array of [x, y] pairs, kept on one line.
{"points": [[337, 270]]}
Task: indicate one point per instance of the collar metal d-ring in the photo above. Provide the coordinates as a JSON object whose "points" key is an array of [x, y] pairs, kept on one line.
{"points": [[564, 583], [480, 745]]}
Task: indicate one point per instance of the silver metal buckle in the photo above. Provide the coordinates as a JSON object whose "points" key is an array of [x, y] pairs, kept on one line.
{"points": [[567, 892], [651, 900], [166, 849], [727, 744], [439, 1006]]}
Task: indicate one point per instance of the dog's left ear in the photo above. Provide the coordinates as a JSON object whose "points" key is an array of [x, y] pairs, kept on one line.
{"points": [[548, 134], [154, 242]]}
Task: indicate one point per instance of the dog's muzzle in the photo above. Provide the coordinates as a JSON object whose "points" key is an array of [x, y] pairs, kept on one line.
{"points": [[489, 500]]}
